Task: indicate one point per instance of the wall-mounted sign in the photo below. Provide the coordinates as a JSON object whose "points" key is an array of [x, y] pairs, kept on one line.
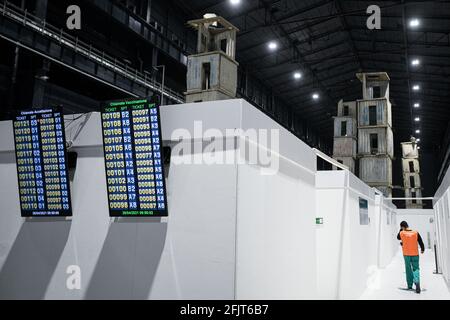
{"points": [[133, 159], [41, 159], [363, 212]]}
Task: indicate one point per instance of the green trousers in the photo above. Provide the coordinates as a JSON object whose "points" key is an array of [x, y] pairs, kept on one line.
{"points": [[412, 270]]}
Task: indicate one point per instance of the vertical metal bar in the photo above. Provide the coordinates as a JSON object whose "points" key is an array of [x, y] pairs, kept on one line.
{"points": [[436, 260], [162, 84]]}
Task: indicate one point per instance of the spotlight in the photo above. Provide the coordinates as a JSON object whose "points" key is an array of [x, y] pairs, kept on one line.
{"points": [[416, 87], [418, 131], [297, 75], [414, 23], [417, 119], [416, 105], [415, 62], [273, 45], [315, 96], [235, 2]]}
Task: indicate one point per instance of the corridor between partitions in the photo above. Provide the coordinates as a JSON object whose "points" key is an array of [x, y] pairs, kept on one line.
{"points": [[390, 283]]}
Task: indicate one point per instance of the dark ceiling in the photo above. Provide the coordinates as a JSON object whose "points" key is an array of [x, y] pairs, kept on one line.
{"points": [[329, 42]]}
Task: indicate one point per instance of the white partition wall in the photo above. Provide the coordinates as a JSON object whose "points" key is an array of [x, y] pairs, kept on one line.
{"points": [[275, 239], [346, 242], [235, 230], [442, 226], [387, 231]]}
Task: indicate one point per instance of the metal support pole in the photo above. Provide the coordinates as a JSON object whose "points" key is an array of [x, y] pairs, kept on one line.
{"points": [[163, 67], [436, 260], [162, 84]]}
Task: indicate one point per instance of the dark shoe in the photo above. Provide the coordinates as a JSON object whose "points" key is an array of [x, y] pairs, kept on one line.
{"points": [[418, 288]]}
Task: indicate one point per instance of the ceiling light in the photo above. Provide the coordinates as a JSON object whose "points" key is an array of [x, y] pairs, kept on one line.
{"points": [[418, 140], [417, 119], [416, 87], [418, 148], [417, 131], [297, 75], [416, 105], [414, 23], [272, 45], [235, 2], [415, 62], [315, 96]]}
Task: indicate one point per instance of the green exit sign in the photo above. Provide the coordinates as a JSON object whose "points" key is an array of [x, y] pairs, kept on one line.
{"points": [[319, 221]]}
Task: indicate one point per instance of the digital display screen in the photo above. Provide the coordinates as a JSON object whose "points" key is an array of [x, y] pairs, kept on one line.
{"points": [[133, 159], [41, 159]]}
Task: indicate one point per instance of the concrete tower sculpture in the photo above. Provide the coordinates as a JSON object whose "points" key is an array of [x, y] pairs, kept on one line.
{"points": [[411, 174], [375, 136], [345, 135], [212, 71]]}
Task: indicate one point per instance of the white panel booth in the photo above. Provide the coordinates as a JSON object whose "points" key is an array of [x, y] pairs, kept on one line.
{"points": [[386, 223], [236, 229], [346, 237], [442, 226]]}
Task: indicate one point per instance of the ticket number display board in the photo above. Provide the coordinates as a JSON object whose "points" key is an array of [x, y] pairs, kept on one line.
{"points": [[41, 158], [133, 159]]}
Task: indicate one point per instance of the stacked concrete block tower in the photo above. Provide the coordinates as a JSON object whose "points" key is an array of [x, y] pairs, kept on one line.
{"points": [[411, 174], [345, 135], [212, 71], [375, 136]]}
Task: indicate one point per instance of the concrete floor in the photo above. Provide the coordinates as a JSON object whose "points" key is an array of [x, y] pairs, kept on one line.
{"points": [[390, 283]]}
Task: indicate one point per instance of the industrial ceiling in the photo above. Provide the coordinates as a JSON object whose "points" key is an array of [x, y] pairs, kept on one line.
{"points": [[303, 48]]}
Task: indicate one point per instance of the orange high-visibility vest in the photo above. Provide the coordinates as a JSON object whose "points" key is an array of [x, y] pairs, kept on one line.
{"points": [[410, 245]]}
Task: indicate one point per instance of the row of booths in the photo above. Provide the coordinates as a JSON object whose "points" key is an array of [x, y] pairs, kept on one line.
{"points": [[356, 236], [238, 227]]}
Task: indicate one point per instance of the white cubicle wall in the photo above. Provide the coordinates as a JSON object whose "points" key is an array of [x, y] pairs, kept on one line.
{"points": [[441, 206], [346, 242], [388, 244], [349, 248], [233, 231]]}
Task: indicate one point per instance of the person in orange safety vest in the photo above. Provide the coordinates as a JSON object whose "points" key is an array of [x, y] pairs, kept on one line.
{"points": [[410, 242]]}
